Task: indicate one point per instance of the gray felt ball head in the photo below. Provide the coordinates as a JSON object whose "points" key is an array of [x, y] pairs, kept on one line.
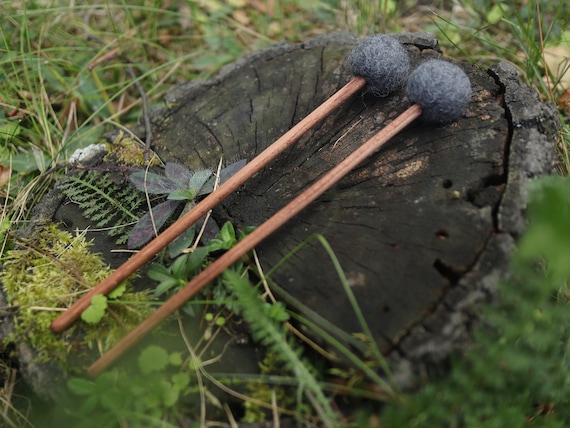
{"points": [[442, 90], [382, 61]]}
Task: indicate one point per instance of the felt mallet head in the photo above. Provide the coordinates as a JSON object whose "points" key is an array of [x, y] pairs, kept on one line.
{"points": [[382, 61], [441, 89]]}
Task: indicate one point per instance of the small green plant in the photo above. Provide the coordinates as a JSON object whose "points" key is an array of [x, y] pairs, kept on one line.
{"points": [[148, 396], [180, 186], [99, 303], [173, 276], [269, 325]]}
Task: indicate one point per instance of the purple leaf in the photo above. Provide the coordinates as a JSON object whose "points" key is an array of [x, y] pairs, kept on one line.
{"points": [[231, 169], [144, 230], [155, 184], [178, 173], [210, 232], [225, 174]]}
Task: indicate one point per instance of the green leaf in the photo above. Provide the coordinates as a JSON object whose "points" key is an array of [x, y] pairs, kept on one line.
{"points": [[188, 309], [225, 174], [96, 310], [88, 405], [153, 359], [196, 258], [180, 267], [113, 400], [81, 386], [198, 180], [180, 380], [29, 161], [90, 95], [152, 401], [178, 173], [175, 359], [118, 291], [277, 311], [225, 240], [182, 195], [228, 233], [152, 183], [246, 231], [144, 230], [159, 272], [494, 15], [170, 395], [166, 285], [106, 381], [9, 130], [185, 239], [186, 265], [182, 242]]}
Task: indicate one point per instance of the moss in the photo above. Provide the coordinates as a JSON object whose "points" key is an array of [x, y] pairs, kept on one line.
{"points": [[260, 389], [44, 276], [126, 150]]}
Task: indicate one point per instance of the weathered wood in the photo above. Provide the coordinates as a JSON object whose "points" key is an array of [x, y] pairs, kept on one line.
{"points": [[426, 223], [407, 226]]}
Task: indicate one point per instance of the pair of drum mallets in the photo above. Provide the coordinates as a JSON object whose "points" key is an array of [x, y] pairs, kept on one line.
{"points": [[438, 92]]}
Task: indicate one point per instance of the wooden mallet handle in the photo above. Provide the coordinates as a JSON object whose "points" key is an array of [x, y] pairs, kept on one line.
{"points": [[209, 202], [257, 236]]}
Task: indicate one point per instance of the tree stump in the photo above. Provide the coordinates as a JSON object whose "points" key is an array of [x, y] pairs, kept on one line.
{"points": [[422, 230]]}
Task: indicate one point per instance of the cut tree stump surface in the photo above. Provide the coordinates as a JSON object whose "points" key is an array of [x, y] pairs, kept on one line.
{"points": [[423, 229]]}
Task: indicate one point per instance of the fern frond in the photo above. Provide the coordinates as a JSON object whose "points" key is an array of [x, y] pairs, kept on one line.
{"points": [[104, 202], [273, 334]]}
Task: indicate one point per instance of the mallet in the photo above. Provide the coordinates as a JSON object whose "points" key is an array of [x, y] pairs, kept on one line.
{"points": [[379, 61], [440, 91]]}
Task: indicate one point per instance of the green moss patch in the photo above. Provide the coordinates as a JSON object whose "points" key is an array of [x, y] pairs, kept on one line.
{"points": [[48, 273]]}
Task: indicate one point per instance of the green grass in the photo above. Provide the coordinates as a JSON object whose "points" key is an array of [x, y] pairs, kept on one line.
{"points": [[66, 71], [69, 72]]}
